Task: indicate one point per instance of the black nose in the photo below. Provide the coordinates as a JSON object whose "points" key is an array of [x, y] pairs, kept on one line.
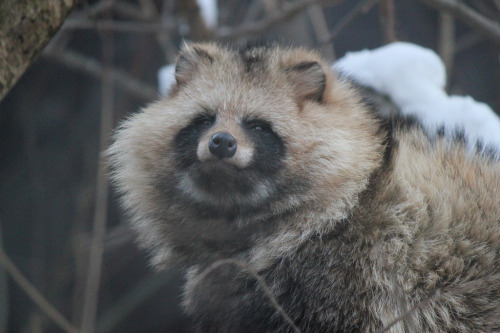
{"points": [[222, 145]]}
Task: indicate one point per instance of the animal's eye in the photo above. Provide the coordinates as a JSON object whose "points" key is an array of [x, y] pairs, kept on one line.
{"points": [[258, 126], [205, 120]]}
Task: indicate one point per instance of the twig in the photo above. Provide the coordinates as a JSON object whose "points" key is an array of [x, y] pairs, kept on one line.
{"points": [[131, 300], [446, 44], [148, 8], [486, 8], [320, 27], [286, 12], [34, 294], [388, 20], [468, 40], [163, 37], [245, 267], [190, 10], [361, 7], [102, 190], [97, 9], [117, 26], [115, 237], [253, 10], [434, 295], [468, 16], [90, 66]]}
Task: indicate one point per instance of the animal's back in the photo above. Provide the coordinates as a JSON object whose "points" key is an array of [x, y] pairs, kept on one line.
{"points": [[434, 211]]}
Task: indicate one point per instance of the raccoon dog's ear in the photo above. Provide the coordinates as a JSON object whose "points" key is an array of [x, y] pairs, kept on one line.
{"points": [[190, 57], [308, 79]]}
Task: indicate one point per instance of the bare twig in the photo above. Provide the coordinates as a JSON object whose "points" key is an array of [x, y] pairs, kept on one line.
{"points": [[360, 8], [118, 26], [321, 31], [468, 40], [102, 190], [286, 12], [131, 300], [148, 8], [115, 237], [486, 8], [99, 8], [468, 16], [253, 10], [34, 294], [190, 10], [446, 44], [433, 296], [262, 284], [90, 66], [388, 20]]}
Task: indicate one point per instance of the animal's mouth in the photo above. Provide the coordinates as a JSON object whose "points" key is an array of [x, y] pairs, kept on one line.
{"points": [[223, 185], [221, 178]]}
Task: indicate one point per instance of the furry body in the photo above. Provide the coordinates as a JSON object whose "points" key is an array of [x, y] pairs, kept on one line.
{"points": [[350, 219]]}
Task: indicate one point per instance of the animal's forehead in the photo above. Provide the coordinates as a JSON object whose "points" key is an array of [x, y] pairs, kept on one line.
{"points": [[244, 100]]}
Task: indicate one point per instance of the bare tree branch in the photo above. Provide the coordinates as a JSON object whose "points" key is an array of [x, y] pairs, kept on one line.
{"points": [[102, 189], [148, 10], [190, 10], [388, 20], [95, 68], [468, 16], [135, 296], [118, 26], [468, 40], [446, 43], [25, 28], [34, 294], [321, 31], [286, 12], [361, 7]]}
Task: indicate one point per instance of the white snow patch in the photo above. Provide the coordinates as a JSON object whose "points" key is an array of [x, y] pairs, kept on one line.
{"points": [[414, 78], [166, 79], [209, 12]]}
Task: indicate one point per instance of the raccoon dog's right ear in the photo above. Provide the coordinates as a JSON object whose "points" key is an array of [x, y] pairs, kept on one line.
{"points": [[308, 79], [190, 57]]}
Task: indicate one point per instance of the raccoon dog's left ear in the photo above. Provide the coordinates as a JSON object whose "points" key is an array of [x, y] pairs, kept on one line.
{"points": [[190, 58], [308, 79]]}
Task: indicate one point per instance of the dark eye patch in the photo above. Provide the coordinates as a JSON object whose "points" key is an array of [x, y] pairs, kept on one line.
{"points": [[186, 141], [269, 147], [204, 120]]}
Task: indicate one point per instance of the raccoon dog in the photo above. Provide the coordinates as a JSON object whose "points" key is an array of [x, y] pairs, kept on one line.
{"points": [[265, 156]]}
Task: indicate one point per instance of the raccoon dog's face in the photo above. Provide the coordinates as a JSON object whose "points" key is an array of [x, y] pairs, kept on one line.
{"points": [[224, 160], [230, 155], [262, 129]]}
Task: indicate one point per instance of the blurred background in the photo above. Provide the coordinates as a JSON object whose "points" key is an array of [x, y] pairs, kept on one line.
{"points": [[60, 222]]}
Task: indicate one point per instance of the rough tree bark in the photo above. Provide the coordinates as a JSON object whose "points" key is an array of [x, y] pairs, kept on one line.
{"points": [[26, 26]]}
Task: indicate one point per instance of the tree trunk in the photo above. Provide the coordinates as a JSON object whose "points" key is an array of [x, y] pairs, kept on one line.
{"points": [[26, 26]]}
